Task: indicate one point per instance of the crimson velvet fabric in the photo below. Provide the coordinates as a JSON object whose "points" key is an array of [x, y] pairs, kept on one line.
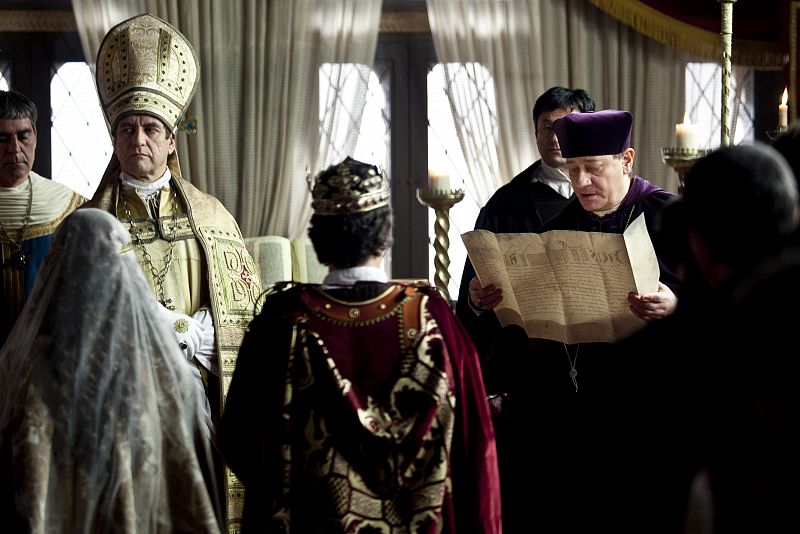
{"points": [[757, 21]]}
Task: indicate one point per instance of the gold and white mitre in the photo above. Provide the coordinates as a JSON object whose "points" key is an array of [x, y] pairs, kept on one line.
{"points": [[146, 66]]}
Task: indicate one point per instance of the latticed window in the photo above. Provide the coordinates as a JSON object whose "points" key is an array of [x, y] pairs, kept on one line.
{"points": [[346, 91], [81, 145], [704, 103], [374, 147], [473, 97]]}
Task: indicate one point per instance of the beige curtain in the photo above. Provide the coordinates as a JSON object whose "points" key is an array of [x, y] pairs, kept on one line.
{"points": [[531, 45], [346, 36], [258, 101], [469, 91], [94, 19]]}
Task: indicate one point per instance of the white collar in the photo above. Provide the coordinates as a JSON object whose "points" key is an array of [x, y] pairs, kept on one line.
{"points": [[144, 189], [351, 275], [603, 213], [554, 178]]}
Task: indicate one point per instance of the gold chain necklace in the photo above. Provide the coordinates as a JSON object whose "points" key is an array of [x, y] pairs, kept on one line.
{"points": [[158, 274], [22, 257]]}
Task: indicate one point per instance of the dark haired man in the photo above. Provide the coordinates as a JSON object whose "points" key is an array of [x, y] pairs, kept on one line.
{"points": [[31, 206], [709, 391], [358, 405]]}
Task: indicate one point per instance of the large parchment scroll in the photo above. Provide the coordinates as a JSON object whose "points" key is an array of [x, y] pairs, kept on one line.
{"points": [[567, 285]]}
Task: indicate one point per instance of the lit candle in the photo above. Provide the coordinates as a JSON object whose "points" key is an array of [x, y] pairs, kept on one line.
{"points": [[686, 133], [783, 110], [438, 181]]}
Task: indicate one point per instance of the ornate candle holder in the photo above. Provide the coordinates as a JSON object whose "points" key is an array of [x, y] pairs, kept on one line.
{"points": [[441, 200], [682, 159], [773, 134]]}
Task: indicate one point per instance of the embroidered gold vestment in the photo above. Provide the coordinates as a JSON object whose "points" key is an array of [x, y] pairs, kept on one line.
{"points": [[231, 285]]}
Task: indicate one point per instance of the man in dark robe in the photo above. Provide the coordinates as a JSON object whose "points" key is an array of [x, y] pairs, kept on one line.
{"points": [[556, 389], [358, 405], [530, 199]]}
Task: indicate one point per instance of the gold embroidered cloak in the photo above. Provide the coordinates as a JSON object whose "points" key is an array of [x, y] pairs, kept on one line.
{"points": [[232, 285]]}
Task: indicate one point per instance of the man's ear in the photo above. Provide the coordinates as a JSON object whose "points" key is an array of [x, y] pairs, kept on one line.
{"points": [[627, 160], [171, 143]]}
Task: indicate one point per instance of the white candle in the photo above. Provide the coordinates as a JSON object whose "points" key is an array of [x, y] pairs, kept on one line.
{"points": [[686, 134], [783, 110], [438, 181]]}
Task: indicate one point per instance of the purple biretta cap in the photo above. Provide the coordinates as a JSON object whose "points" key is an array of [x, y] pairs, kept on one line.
{"points": [[595, 133]]}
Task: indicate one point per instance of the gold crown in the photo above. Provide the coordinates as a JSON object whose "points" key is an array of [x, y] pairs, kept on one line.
{"points": [[145, 66], [349, 187]]}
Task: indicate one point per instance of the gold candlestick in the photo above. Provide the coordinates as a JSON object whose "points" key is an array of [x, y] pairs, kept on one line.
{"points": [[682, 159], [727, 39], [441, 200]]}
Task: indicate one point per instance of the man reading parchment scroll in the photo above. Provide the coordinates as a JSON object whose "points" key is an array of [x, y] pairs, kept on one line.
{"points": [[553, 387]]}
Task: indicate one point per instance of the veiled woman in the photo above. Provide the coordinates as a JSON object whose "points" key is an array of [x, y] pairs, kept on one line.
{"points": [[99, 426]]}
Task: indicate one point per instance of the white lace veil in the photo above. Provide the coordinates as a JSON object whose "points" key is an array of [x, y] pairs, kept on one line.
{"points": [[98, 410]]}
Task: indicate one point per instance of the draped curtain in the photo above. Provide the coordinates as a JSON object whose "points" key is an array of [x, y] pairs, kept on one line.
{"points": [[476, 125], [94, 19], [531, 45], [257, 102]]}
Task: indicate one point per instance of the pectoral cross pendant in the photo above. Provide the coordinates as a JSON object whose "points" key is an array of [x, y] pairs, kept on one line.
{"points": [[23, 259], [573, 374]]}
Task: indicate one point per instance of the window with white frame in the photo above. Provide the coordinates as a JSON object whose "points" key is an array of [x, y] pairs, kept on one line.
{"points": [[80, 142], [704, 103], [342, 88]]}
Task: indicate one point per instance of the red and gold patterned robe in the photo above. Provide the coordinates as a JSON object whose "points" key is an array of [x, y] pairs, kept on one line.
{"points": [[361, 410]]}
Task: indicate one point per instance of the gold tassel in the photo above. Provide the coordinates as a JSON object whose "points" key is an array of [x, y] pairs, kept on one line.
{"points": [[690, 39]]}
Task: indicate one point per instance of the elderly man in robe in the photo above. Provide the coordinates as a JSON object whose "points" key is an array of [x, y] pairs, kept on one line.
{"points": [[31, 206], [555, 387]]}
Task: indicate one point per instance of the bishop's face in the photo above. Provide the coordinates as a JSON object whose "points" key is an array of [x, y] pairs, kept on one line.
{"points": [[142, 145], [601, 182], [17, 150]]}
